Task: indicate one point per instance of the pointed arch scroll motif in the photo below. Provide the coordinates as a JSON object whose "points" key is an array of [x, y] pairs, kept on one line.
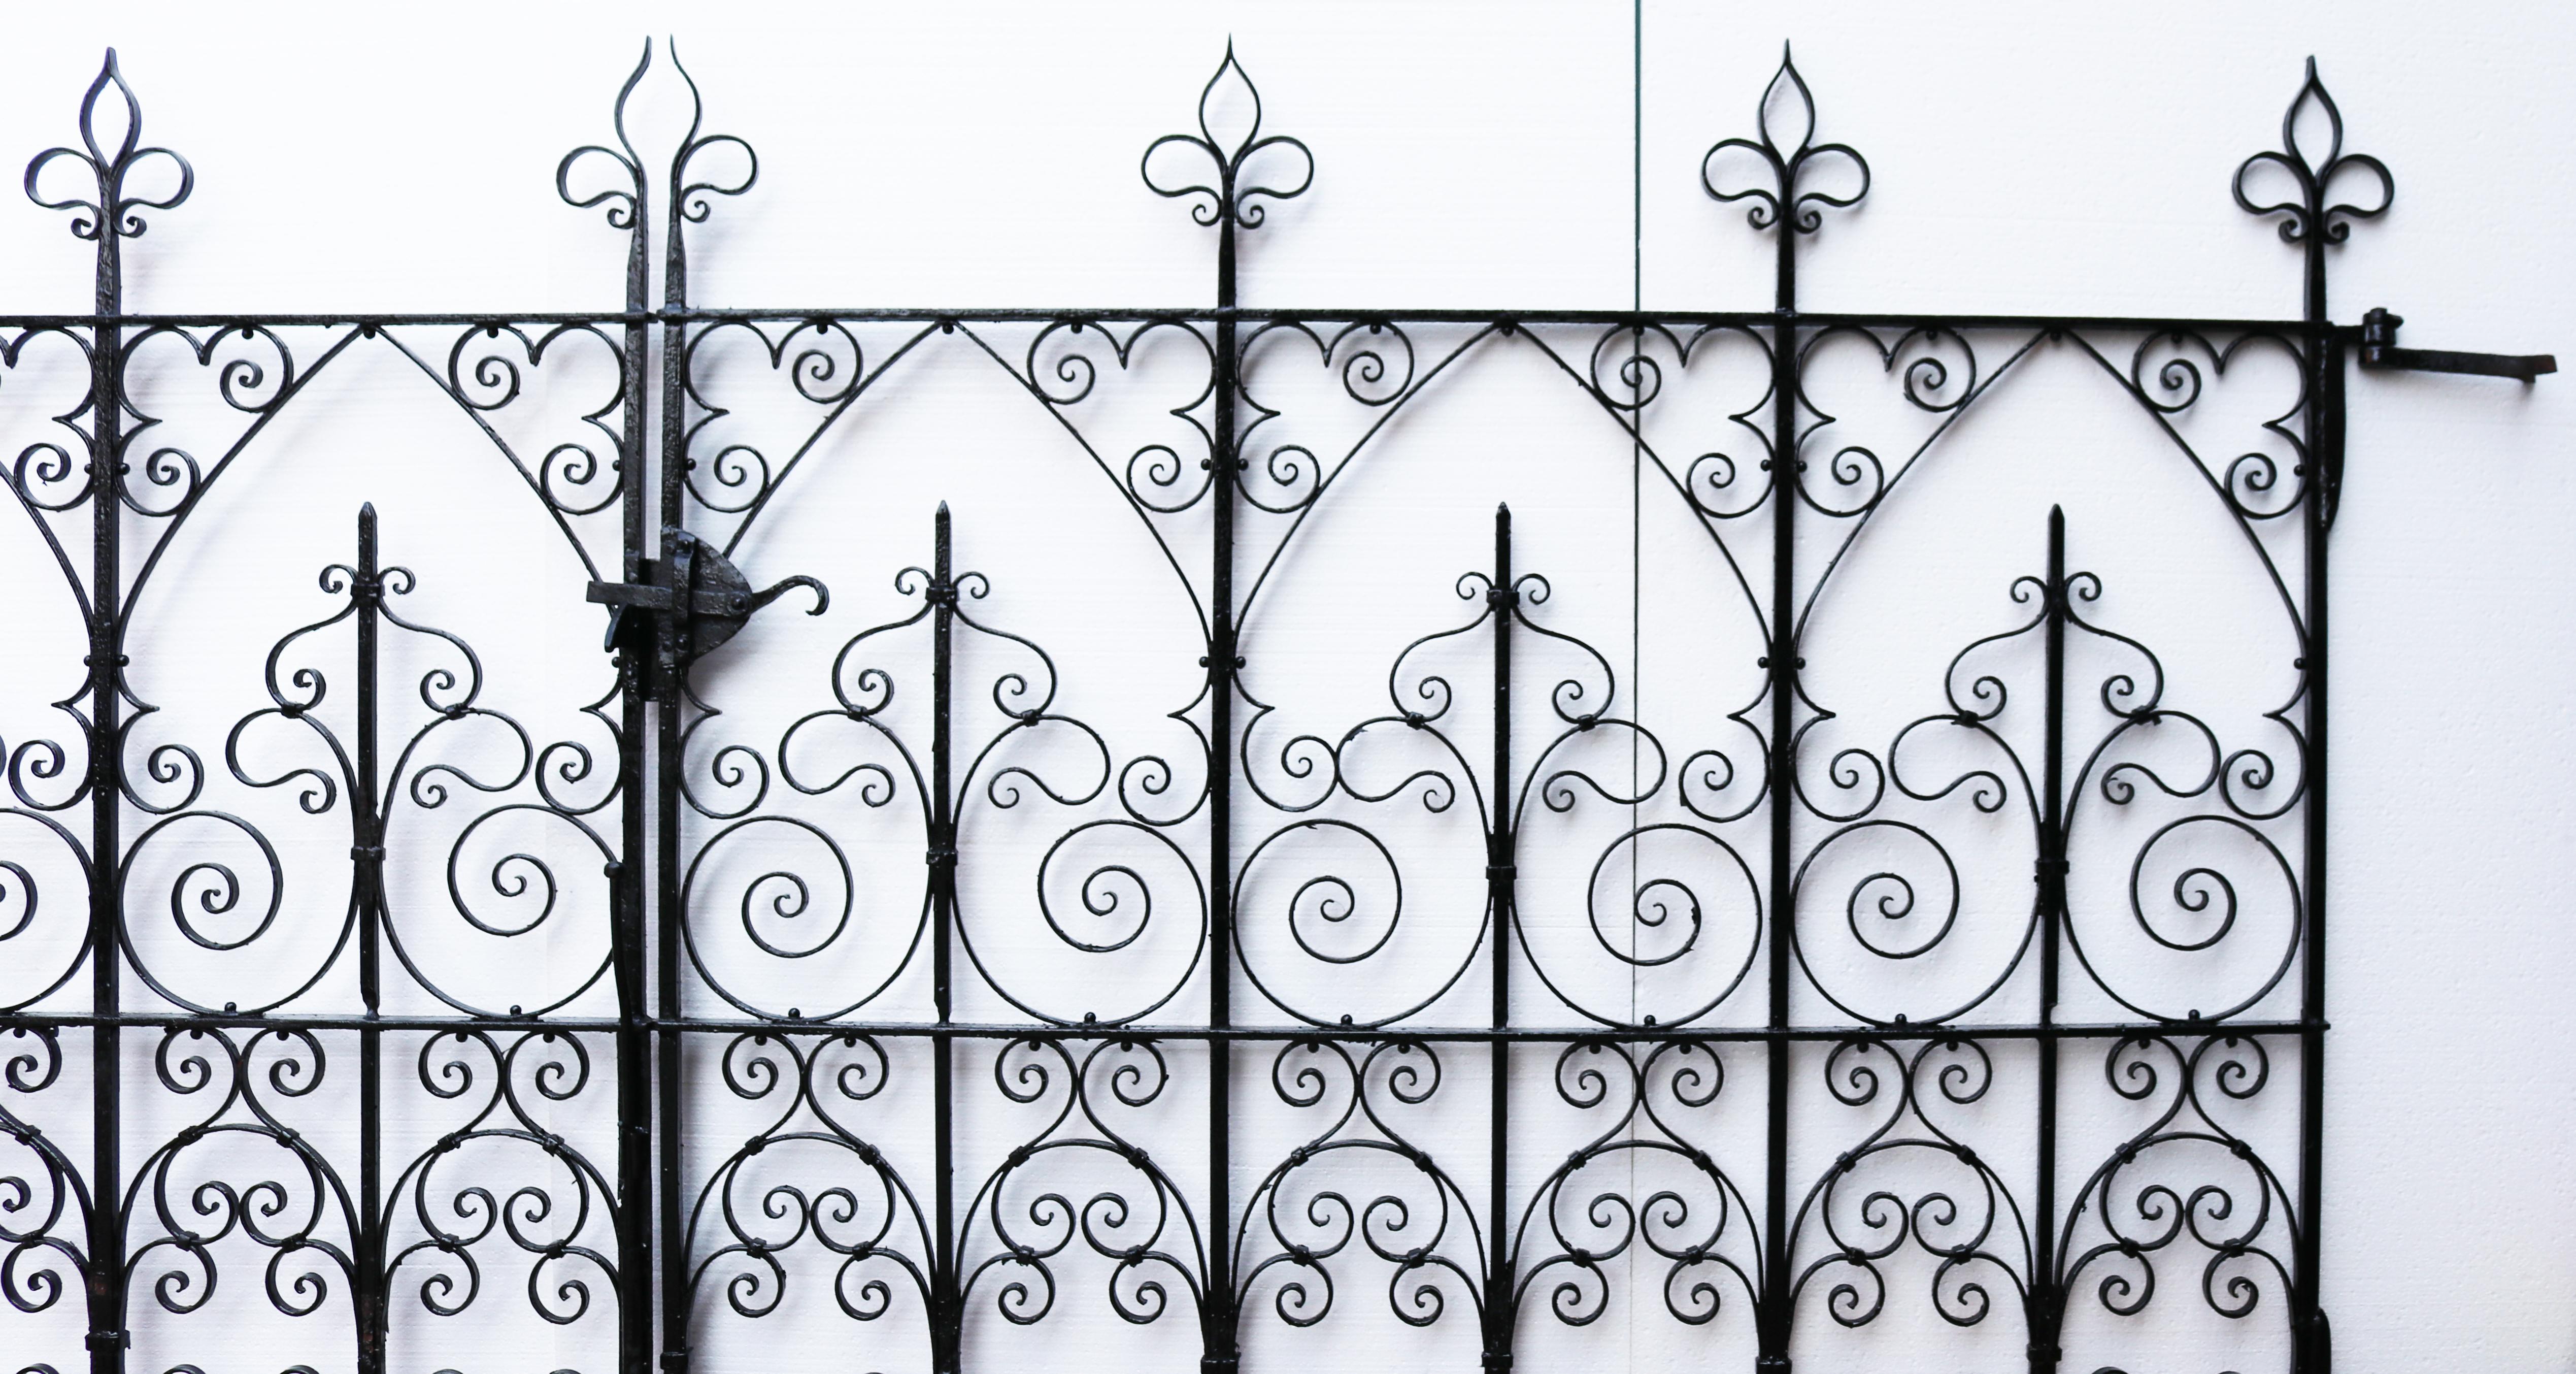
{"points": [[963, 998]]}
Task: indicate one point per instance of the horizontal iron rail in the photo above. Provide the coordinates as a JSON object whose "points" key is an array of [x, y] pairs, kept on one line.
{"points": [[1187, 314], [1905, 1031]]}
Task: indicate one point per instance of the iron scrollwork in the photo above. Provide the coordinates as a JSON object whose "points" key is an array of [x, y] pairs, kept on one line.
{"points": [[675, 1033]]}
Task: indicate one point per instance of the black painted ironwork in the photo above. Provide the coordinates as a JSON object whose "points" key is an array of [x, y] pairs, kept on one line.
{"points": [[899, 1219]]}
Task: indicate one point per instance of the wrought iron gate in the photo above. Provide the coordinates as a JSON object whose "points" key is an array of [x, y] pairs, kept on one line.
{"points": [[937, 1011]]}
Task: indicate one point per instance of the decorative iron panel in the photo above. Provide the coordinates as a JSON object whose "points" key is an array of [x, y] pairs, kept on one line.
{"points": [[1002, 956]]}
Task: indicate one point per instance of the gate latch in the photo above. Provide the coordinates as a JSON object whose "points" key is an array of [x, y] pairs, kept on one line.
{"points": [[686, 605], [2379, 350]]}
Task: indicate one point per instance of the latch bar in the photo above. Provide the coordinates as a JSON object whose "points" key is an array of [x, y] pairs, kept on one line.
{"points": [[653, 596], [2379, 351], [715, 604]]}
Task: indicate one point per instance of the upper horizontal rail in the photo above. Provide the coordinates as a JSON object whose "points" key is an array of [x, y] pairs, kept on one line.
{"points": [[1186, 315], [1901, 1031]]}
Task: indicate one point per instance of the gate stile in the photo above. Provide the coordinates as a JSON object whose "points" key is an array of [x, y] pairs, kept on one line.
{"points": [[655, 1234]]}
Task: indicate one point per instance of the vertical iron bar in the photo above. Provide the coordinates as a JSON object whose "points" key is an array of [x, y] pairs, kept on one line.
{"points": [[948, 1314], [2325, 438], [2046, 1303], [1220, 1348], [366, 818], [635, 1221], [1500, 844], [107, 1338], [1782, 663], [671, 657]]}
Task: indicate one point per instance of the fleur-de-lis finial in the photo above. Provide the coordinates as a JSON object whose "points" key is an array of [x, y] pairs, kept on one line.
{"points": [[689, 198], [1788, 197], [2314, 212], [690, 191], [115, 203], [620, 200], [1236, 195]]}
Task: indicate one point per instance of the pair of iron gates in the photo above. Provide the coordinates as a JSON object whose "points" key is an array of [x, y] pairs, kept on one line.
{"points": [[932, 1022]]}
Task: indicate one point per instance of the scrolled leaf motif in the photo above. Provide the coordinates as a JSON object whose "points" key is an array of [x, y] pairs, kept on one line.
{"points": [[44, 1204], [2184, 1181], [1584, 1216], [851, 1202], [1305, 1217], [114, 206], [1139, 1221], [1240, 185], [1943, 1200], [1791, 160], [2316, 212]]}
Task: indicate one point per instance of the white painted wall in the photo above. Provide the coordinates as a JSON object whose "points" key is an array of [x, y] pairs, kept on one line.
{"points": [[2028, 158]]}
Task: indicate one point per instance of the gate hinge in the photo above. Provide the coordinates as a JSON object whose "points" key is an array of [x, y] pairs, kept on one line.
{"points": [[2379, 352], [684, 606]]}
